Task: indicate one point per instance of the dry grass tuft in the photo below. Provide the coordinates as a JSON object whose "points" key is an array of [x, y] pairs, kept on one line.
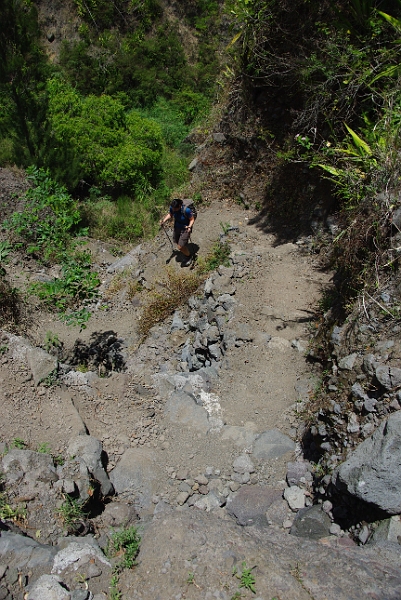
{"points": [[177, 288]]}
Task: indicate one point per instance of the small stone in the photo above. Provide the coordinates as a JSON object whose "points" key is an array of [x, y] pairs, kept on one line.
{"points": [[234, 486], [295, 497], [335, 529], [243, 464], [287, 524], [364, 534], [181, 498], [203, 489], [202, 480]]}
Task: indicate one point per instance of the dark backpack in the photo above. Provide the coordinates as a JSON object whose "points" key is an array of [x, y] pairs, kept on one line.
{"points": [[188, 203]]}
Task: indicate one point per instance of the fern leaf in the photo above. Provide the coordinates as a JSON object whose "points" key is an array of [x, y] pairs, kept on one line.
{"points": [[396, 23], [359, 143]]}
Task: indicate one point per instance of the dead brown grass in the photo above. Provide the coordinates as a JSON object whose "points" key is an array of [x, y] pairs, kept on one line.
{"points": [[176, 289]]}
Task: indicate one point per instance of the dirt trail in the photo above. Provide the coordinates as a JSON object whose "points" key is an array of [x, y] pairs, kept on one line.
{"points": [[260, 381]]}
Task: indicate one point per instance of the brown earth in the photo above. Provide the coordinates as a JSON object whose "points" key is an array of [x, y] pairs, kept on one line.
{"points": [[259, 384]]}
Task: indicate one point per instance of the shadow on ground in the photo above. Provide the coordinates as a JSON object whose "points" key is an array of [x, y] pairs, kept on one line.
{"points": [[102, 353]]}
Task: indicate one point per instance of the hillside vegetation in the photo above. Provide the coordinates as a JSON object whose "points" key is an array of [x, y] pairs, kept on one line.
{"points": [[316, 85]]}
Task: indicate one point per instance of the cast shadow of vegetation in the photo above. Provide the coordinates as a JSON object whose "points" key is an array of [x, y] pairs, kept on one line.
{"points": [[103, 353], [296, 202]]}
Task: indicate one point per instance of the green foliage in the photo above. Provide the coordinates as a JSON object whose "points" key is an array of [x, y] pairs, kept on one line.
{"points": [[125, 542], [7, 511], [49, 217], [52, 342], [77, 283], [72, 514], [44, 448], [115, 593], [117, 150], [23, 68], [170, 120], [220, 255], [124, 220], [5, 249], [19, 443], [75, 318], [247, 578]]}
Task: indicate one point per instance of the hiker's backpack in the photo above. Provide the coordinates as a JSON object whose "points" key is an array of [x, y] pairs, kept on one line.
{"points": [[188, 203]]}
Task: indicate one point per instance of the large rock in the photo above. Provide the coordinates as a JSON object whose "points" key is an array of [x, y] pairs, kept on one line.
{"points": [[272, 444], [24, 553], [249, 506], [373, 471], [312, 523], [41, 364], [136, 475], [286, 566], [389, 377], [89, 451], [182, 408], [48, 587], [31, 466]]}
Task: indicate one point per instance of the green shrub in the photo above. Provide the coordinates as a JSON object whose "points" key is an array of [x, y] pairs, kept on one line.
{"points": [[124, 220], [49, 217], [72, 513], [77, 283], [117, 150], [127, 542]]}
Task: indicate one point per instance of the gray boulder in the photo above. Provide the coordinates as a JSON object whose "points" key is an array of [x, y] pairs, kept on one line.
{"points": [[41, 364], [272, 444], [250, 504], [389, 377], [25, 553], [28, 465], [182, 408], [88, 451], [373, 471], [136, 476], [48, 587], [311, 522]]}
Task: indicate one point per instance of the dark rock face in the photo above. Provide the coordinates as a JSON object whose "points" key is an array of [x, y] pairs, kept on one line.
{"points": [[312, 523], [373, 471]]}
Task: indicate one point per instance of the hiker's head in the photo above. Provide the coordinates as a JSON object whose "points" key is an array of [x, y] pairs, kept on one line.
{"points": [[176, 204]]}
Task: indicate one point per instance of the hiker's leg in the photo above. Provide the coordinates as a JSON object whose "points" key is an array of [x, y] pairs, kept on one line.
{"points": [[182, 242]]}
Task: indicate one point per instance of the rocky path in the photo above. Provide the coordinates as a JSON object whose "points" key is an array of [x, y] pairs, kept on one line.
{"points": [[252, 388], [200, 426]]}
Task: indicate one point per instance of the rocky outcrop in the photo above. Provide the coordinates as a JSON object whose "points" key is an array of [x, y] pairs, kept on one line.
{"points": [[372, 472]]}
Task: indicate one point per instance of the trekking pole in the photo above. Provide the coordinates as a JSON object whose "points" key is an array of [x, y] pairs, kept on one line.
{"points": [[168, 237]]}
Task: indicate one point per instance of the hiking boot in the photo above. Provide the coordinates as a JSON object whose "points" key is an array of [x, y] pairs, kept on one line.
{"points": [[188, 261]]}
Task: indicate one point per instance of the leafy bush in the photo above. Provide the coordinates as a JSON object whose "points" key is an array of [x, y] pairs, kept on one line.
{"points": [[117, 150], [49, 217], [123, 220], [77, 283]]}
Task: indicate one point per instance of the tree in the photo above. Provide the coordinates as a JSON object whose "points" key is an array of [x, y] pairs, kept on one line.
{"points": [[23, 69], [117, 151]]}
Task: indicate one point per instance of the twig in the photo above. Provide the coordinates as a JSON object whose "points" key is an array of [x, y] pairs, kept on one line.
{"points": [[380, 305], [364, 307]]}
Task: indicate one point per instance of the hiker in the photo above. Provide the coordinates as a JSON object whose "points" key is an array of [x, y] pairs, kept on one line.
{"points": [[184, 219]]}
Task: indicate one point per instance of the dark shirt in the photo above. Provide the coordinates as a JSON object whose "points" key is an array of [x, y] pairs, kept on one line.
{"points": [[181, 217]]}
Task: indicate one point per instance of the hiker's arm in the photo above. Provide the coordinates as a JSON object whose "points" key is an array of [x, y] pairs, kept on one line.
{"points": [[191, 219], [166, 218]]}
